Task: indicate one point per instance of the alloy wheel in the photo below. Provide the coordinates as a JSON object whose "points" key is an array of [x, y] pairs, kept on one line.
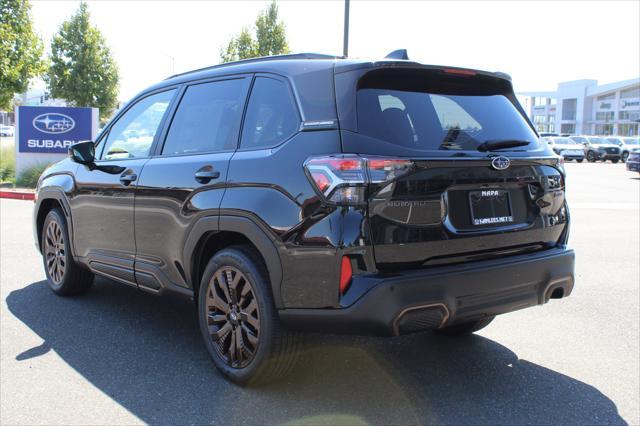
{"points": [[233, 318], [54, 249]]}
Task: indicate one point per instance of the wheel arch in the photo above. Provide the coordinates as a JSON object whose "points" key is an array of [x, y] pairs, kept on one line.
{"points": [[214, 233], [49, 199]]}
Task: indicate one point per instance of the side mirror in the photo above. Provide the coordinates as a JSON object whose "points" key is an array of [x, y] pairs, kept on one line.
{"points": [[83, 153]]}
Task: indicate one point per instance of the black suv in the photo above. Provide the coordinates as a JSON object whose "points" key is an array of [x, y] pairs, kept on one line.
{"points": [[309, 192]]}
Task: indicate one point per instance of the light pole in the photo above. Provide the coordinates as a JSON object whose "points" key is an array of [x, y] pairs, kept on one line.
{"points": [[345, 45]]}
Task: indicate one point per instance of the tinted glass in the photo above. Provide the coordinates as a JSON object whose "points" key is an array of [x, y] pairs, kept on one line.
{"points": [[579, 139], [132, 135], [272, 116], [565, 141], [208, 118], [597, 141], [425, 121]]}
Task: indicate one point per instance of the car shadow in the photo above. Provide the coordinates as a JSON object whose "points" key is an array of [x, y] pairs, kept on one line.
{"points": [[145, 353]]}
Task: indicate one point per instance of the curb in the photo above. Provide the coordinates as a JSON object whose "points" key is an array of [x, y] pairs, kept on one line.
{"points": [[18, 195]]}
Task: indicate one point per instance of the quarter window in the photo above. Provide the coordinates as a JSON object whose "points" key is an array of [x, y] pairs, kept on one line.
{"points": [[132, 135], [208, 118], [272, 116]]}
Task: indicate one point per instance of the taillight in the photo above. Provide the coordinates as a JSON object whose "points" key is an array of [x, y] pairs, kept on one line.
{"points": [[343, 179]]}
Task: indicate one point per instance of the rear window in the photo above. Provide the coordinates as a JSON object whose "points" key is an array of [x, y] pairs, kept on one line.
{"points": [[420, 120]]}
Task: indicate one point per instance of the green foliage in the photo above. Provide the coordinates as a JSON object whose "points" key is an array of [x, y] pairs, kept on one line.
{"points": [[20, 50], [29, 177], [7, 163], [82, 70], [271, 38]]}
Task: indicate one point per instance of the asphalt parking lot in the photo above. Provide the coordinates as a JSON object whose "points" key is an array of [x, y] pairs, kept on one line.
{"points": [[117, 356]]}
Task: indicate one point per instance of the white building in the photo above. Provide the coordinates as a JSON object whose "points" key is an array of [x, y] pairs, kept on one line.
{"points": [[584, 107]]}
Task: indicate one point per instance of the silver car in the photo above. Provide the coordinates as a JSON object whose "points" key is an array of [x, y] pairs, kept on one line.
{"points": [[567, 148], [626, 145]]}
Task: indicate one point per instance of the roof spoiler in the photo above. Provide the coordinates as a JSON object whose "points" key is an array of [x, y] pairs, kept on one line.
{"points": [[398, 54]]}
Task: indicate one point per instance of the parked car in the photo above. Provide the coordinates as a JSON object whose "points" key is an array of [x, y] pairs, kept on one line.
{"points": [[598, 148], [7, 130], [308, 192], [626, 145], [567, 148], [633, 161]]}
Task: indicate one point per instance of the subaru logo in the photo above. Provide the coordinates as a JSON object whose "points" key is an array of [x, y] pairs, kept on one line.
{"points": [[53, 122], [500, 163]]}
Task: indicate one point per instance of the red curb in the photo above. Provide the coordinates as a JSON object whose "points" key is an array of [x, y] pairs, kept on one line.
{"points": [[16, 195]]}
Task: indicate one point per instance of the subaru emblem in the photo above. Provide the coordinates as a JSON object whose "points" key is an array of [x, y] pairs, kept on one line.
{"points": [[53, 122], [500, 163]]}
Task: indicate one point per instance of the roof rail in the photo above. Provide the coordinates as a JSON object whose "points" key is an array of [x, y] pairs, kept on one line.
{"points": [[261, 59]]}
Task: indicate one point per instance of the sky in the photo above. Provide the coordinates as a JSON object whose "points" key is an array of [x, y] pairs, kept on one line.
{"points": [[540, 43]]}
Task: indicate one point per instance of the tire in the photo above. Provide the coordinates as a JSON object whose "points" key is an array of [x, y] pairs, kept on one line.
{"points": [[625, 156], [615, 160], [591, 157], [580, 160], [64, 276], [267, 351], [465, 327]]}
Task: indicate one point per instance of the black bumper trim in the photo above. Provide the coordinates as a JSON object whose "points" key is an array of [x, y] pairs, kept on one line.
{"points": [[467, 292]]}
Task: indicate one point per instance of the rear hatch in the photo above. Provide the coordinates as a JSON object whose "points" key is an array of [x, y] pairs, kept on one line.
{"points": [[456, 172]]}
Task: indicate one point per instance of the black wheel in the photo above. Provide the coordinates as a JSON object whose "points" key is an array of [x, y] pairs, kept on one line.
{"points": [[464, 328], [615, 160], [580, 160], [64, 276], [239, 322], [591, 157], [624, 157]]}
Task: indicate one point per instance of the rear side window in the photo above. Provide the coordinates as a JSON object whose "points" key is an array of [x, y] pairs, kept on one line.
{"points": [[272, 116], [208, 118]]}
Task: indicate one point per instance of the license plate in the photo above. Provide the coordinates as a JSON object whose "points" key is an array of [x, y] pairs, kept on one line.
{"points": [[490, 207]]}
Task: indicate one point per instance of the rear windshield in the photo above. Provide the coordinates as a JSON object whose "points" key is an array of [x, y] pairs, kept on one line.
{"points": [[420, 120]]}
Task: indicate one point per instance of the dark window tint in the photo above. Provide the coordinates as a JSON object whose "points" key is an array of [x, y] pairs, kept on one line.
{"points": [[419, 120], [208, 118], [272, 116], [132, 135]]}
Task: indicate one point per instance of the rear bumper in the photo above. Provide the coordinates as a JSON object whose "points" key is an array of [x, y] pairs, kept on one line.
{"points": [[440, 296]]}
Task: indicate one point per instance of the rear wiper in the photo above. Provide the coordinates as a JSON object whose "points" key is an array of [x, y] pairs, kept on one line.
{"points": [[500, 144]]}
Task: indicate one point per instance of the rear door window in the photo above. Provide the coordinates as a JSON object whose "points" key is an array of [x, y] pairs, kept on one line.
{"points": [[425, 121], [208, 118], [272, 116]]}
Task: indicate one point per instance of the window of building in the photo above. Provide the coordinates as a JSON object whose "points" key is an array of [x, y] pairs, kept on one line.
{"points": [[272, 116], [208, 118], [132, 135], [568, 128], [604, 129], [539, 101], [569, 108], [552, 101], [551, 118], [633, 92], [605, 115], [628, 129]]}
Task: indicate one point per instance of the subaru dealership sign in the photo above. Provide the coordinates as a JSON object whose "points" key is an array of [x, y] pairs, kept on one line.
{"points": [[53, 130], [45, 133]]}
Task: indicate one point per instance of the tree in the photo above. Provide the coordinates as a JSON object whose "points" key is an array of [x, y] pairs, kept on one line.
{"points": [[20, 50], [82, 70], [271, 38]]}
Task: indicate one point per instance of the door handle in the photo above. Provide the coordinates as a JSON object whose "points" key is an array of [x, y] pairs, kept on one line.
{"points": [[206, 174], [127, 178]]}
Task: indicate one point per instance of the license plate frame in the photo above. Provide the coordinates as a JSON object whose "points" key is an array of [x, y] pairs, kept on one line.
{"points": [[490, 207]]}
